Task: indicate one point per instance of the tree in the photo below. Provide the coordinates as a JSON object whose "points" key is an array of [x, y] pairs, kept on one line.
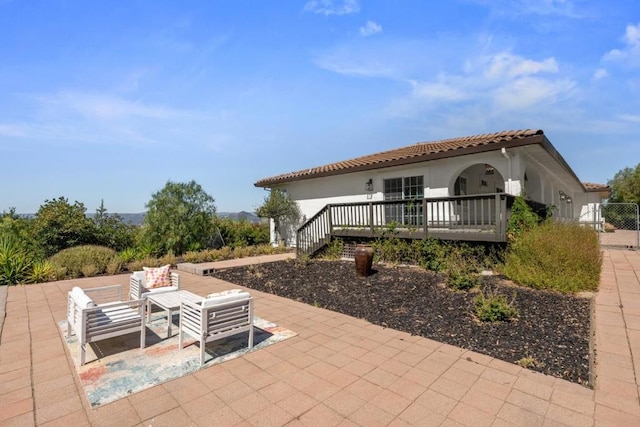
{"points": [[19, 228], [179, 218], [59, 225], [625, 186], [281, 208], [110, 230]]}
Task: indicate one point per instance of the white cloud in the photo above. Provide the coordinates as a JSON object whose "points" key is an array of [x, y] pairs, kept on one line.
{"points": [[633, 118], [510, 66], [496, 85], [76, 117], [442, 90], [104, 106], [12, 130], [630, 53], [528, 92], [331, 7], [370, 28], [600, 73], [515, 8]]}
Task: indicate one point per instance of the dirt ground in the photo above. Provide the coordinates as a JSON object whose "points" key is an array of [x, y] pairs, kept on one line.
{"points": [[551, 333]]}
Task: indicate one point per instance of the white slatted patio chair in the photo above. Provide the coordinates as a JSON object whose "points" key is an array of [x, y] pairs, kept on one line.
{"points": [[218, 316], [99, 313], [138, 288]]}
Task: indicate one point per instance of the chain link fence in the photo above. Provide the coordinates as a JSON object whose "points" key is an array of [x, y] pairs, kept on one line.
{"points": [[619, 225]]}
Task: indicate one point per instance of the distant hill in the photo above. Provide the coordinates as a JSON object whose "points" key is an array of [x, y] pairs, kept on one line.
{"points": [[132, 218], [137, 218], [240, 216]]}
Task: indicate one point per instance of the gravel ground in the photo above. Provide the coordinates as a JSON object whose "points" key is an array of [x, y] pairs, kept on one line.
{"points": [[551, 331]]}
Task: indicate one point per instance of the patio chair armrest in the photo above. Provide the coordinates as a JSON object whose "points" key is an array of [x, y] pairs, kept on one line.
{"points": [[135, 287], [175, 279], [105, 293], [132, 303]]}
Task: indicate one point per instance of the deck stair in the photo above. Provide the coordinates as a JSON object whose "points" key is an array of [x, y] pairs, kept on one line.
{"points": [[480, 218]]}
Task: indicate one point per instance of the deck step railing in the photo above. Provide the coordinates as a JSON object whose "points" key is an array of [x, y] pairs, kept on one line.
{"points": [[480, 217]]}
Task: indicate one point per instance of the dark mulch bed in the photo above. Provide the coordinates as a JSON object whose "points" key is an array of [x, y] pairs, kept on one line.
{"points": [[551, 328]]}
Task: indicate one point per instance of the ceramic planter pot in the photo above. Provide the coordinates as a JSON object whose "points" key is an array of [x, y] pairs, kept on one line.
{"points": [[364, 260]]}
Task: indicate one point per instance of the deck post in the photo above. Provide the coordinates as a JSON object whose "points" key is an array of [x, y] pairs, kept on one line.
{"points": [[499, 216], [371, 217], [504, 217], [424, 218], [330, 219]]}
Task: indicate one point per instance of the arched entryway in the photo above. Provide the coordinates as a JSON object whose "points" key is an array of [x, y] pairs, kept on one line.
{"points": [[480, 178], [477, 179]]}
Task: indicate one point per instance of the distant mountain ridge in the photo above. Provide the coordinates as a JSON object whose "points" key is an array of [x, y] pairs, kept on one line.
{"points": [[137, 218]]}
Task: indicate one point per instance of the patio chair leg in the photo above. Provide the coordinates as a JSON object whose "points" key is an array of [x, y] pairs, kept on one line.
{"points": [[68, 329], [202, 343], [251, 337], [143, 335], [83, 350]]}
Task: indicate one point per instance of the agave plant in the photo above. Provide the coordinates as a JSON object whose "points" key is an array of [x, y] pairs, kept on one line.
{"points": [[15, 261], [127, 255], [42, 271]]}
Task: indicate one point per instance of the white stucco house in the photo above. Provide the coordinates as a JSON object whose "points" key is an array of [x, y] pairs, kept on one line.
{"points": [[460, 188]]}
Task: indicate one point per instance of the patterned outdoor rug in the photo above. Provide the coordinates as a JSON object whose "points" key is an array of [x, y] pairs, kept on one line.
{"points": [[122, 368]]}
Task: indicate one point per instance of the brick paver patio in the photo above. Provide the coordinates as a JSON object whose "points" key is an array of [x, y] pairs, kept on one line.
{"points": [[338, 371]]}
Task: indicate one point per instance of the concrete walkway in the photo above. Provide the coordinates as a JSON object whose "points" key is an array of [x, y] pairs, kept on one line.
{"points": [[208, 268], [338, 371]]}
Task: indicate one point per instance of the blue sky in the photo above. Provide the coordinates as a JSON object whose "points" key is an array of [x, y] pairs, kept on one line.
{"points": [[110, 100]]}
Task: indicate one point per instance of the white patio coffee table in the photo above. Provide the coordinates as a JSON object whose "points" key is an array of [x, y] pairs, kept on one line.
{"points": [[170, 301]]}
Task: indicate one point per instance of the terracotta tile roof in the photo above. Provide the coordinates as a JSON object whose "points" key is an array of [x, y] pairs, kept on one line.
{"points": [[415, 153], [590, 186]]}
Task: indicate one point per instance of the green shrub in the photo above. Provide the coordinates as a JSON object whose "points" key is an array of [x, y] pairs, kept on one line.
{"points": [[430, 254], [190, 256], [76, 258], [169, 258], [494, 308], [267, 249], [89, 270], [462, 267], [114, 266], [224, 253], [59, 273], [145, 250], [151, 262], [463, 280], [334, 249], [42, 271], [242, 233], [391, 250], [136, 266], [15, 261], [522, 218], [561, 256]]}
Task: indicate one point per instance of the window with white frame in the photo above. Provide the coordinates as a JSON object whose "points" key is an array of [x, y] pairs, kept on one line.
{"points": [[405, 188]]}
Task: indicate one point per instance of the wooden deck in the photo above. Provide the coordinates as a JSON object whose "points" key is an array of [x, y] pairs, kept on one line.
{"points": [[478, 218]]}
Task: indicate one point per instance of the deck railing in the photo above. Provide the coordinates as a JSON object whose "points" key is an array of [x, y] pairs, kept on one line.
{"points": [[480, 217]]}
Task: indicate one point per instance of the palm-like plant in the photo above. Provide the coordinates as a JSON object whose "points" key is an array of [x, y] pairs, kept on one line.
{"points": [[15, 261]]}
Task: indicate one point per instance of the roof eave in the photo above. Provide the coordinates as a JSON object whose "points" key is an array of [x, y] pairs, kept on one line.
{"points": [[530, 140]]}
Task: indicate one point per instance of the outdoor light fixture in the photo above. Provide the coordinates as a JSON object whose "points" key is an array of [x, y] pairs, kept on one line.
{"points": [[368, 186], [563, 196], [489, 170], [569, 200]]}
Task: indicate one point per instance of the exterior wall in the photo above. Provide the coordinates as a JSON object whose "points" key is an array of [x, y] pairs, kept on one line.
{"points": [[587, 210], [439, 177]]}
